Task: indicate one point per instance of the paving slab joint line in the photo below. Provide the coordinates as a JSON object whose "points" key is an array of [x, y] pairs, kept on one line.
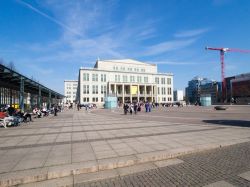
{"points": [[100, 167]]}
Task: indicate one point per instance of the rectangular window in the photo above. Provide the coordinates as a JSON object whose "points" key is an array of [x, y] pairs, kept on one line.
{"points": [[95, 77], [169, 91], [158, 90], [139, 79], [163, 91], [85, 77], [94, 89], [117, 78], [103, 89], [103, 77], [169, 81], [157, 80], [132, 78], [145, 79], [85, 89], [101, 99], [163, 80], [125, 78]]}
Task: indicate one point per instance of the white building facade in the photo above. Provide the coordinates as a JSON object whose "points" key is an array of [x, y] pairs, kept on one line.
{"points": [[128, 80], [178, 95], [70, 89]]}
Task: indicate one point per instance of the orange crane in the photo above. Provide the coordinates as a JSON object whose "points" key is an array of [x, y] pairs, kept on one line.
{"points": [[222, 52]]}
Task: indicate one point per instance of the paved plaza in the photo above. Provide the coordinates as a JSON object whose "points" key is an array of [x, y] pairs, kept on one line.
{"points": [[71, 146]]}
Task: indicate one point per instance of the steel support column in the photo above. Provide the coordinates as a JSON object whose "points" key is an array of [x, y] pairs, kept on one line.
{"points": [[39, 97], [49, 104], [21, 94]]}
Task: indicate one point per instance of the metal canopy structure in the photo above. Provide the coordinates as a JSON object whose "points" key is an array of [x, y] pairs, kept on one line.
{"points": [[14, 81]]}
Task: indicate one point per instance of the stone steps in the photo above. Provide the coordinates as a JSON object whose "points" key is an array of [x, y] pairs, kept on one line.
{"points": [[75, 169]]}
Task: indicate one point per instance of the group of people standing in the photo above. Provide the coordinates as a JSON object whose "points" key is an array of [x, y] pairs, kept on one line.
{"points": [[136, 107]]}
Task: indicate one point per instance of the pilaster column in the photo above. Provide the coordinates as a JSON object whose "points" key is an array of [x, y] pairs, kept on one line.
{"points": [[138, 92], [131, 93], [115, 89], [152, 94], [123, 92]]}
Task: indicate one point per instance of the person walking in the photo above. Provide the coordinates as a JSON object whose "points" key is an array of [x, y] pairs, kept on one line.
{"points": [[135, 107], [146, 106], [55, 110]]}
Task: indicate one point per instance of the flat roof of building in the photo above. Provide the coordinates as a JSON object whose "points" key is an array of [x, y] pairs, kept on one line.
{"points": [[12, 79]]}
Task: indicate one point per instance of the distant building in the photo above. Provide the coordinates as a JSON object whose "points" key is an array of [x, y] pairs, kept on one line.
{"points": [[240, 88], [178, 95], [128, 80], [228, 93], [211, 88], [193, 90], [70, 89]]}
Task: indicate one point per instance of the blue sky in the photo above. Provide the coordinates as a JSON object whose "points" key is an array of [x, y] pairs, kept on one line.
{"points": [[50, 39]]}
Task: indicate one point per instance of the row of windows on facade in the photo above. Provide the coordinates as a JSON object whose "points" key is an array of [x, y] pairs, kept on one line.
{"points": [[94, 89], [95, 99], [125, 78], [104, 90], [70, 92], [94, 77], [116, 68], [69, 88], [69, 96]]}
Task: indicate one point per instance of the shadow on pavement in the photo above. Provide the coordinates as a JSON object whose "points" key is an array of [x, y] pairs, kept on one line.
{"points": [[238, 123]]}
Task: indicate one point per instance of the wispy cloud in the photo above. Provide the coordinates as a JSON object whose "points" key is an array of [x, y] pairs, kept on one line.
{"points": [[168, 46], [175, 63], [191, 33], [48, 17]]}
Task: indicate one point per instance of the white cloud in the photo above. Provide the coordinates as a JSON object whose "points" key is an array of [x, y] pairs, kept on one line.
{"points": [[174, 63], [191, 33], [168, 46], [48, 17]]}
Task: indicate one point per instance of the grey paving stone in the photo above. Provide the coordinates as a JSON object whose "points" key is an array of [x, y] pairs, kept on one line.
{"points": [[245, 175], [135, 168], [60, 182], [169, 162], [22, 177], [82, 178], [220, 184]]}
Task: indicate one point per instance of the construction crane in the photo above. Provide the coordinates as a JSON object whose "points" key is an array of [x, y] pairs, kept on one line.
{"points": [[222, 52]]}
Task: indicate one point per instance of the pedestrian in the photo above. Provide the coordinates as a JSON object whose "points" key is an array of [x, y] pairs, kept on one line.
{"points": [[55, 110], [78, 106], [146, 106], [131, 109], [125, 108], [135, 107]]}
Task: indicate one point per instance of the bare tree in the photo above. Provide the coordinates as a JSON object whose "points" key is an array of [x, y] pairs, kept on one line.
{"points": [[1, 61], [11, 65]]}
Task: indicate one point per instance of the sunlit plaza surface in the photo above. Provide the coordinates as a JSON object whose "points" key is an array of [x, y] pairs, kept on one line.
{"points": [[76, 143]]}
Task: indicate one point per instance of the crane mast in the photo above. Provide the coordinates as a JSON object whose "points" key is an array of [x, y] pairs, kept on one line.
{"points": [[222, 54]]}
